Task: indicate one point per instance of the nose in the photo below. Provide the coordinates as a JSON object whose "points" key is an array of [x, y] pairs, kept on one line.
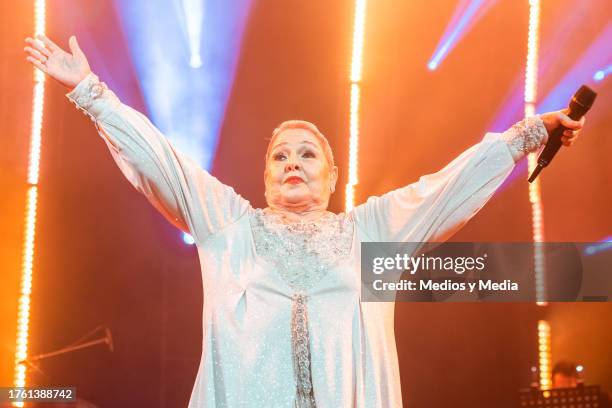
{"points": [[291, 166]]}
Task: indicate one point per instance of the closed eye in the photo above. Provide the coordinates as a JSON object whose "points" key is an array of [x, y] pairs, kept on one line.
{"points": [[309, 154]]}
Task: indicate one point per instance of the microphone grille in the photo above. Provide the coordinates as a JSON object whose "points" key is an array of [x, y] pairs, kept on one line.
{"points": [[585, 96]]}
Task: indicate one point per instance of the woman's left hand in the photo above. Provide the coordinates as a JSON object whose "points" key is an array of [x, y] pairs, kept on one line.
{"points": [[552, 120]]}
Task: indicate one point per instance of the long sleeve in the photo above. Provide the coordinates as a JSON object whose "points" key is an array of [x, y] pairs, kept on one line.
{"points": [[188, 196], [439, 204]]}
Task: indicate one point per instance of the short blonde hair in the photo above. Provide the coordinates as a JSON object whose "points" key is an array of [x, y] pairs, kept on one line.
{"points": [[302, 124]]}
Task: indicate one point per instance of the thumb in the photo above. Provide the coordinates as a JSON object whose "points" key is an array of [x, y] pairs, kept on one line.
{"points": [[74, 46]]}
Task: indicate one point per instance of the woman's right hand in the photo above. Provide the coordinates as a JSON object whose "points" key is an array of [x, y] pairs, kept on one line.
{"points": [[68, 69]]}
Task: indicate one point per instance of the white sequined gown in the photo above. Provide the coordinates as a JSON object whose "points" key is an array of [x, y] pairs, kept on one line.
{"points": [[283, 325]]}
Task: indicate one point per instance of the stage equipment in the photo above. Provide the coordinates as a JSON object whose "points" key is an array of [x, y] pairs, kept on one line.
{"points": [[583, 396], [78, 345]]}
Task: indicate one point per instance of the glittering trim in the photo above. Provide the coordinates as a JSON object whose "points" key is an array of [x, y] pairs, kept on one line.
{"points": [[300, 344], [94, 89], [302, 252], [526, 136]]}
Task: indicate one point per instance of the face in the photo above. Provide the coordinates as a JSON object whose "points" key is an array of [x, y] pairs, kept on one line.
{"points": [[298, 175]]}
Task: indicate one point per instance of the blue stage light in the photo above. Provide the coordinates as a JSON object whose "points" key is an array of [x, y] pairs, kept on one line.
{"points": [[195, 61], [602, 73], [595, 56], [188, 239], [167, 40], [466, 14], [603, 245]]}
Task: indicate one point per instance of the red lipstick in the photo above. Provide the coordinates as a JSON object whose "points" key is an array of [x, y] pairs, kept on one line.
{"points": [[294, 180]]}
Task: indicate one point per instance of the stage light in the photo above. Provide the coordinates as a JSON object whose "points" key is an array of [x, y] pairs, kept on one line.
{"points": [[465, 15], [195, 61], [530, 96], [548, 56], [603, 245], [186, 69], [188, 239], [23, 309], [355, 80], [192, 13], [544, 354], [591, 60], [579, 368], [602, 73]]}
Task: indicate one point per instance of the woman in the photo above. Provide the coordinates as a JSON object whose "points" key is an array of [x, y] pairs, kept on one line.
{"points": [[283, 321]]}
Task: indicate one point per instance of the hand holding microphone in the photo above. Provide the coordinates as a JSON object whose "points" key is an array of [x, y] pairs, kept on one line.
{"points": [[563, 126], [553, 120]]}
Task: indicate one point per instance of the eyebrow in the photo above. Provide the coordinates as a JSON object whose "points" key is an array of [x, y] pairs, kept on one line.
{"points": [[303, 141]]}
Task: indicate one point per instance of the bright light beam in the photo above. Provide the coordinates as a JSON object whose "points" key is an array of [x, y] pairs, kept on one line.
{"points": [[548, 56], [466, 14], [193, 13], [597, 55], [355, 78], [188, 239], [535, 198], [601, 246], [602, 73], [23, 314], [167, 40], [544, 354]]}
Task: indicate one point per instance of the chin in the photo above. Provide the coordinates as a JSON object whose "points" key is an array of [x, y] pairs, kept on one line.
{"points": [[295, 198]]}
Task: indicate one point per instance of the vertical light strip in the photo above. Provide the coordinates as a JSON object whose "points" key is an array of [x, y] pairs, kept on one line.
{"points": [[544, 354], [531, 88], [356, 63], [23, 314], [531, 91]]}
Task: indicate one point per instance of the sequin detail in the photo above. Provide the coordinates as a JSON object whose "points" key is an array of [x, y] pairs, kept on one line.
{"points": [[526, 136], [300, 342], [303, 254], [94, 90]]}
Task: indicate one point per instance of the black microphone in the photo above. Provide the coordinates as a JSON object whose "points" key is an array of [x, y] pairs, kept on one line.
{"points": [[580, 104]]}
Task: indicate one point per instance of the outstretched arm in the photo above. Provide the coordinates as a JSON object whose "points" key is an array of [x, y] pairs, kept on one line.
{"points": [[182, 191], [439, 204]]}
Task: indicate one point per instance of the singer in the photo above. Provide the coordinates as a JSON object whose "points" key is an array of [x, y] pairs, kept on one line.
{"points": [[283, 323]]}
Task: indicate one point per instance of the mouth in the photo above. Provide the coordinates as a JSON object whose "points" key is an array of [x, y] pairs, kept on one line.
{"points": [[294, 180]]}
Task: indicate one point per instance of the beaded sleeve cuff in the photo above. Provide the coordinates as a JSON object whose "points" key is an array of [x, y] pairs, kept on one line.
{"points": [[89, 96], [525, 137]]}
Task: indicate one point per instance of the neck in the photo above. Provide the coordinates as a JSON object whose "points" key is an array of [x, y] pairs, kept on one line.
{"points": [[298, 214]]}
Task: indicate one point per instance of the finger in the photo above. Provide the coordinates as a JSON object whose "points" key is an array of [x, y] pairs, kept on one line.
{"points": [[36, 54], [37, 63], [567, 121], [48, 43], [569, 138], [569, 132], [74, 46], [568, 142], [39, 46]]}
